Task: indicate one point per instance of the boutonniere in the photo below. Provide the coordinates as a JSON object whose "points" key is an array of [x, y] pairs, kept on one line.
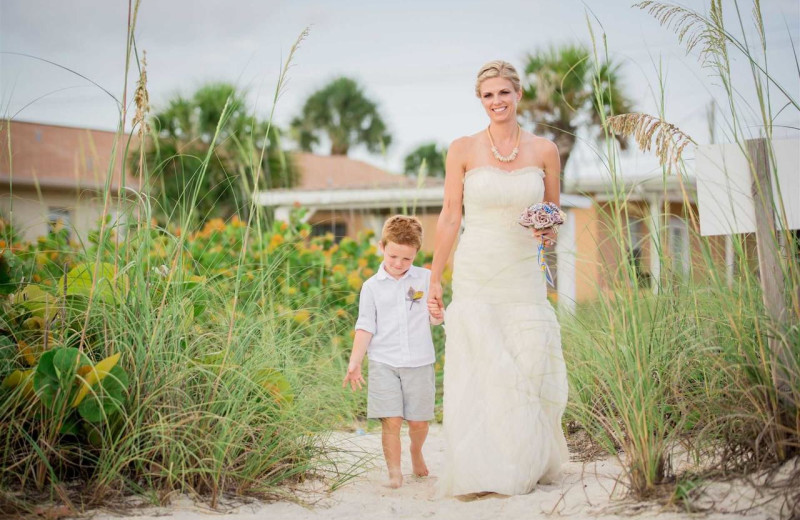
{"points": [[414, 296]]}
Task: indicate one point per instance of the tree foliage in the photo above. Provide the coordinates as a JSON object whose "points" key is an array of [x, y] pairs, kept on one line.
{"points": [[342, 113], [217, 182], [565, 90], [433, 157]]}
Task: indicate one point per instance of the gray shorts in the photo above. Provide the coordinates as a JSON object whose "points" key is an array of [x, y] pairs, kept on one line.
{"points": [[407, 392]]}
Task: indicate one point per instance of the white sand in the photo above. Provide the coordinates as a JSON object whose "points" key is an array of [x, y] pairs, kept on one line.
{"points": [[585, 491]]}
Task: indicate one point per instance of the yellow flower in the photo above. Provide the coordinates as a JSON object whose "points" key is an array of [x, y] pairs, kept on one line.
{"points": [[350, 299], [301, 316], [354, 280], [338, 269], [362, 262], [368, 272], [276, 240]]}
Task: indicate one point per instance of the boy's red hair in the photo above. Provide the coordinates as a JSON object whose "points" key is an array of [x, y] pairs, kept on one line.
{"points": [[403, 230]]}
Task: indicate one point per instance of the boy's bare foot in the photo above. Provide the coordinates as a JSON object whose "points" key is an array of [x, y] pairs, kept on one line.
{"points": [[395, 479], [418, 464]]}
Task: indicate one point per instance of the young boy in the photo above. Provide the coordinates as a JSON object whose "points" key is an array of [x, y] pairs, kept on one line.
{"points": [[393, 327]]}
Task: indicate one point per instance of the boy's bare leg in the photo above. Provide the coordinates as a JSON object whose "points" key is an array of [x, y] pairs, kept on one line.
{"points": [[418, 432], [390, 439]]}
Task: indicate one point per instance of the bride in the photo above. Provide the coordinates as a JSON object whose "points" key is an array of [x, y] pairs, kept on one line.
{"points": [[505, 383]]}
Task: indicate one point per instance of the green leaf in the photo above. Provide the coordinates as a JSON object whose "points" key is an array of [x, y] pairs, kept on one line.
{"points": [[69, 427], [109, 285], [37, 301], [274, 382], [54, 379], [106, 397]]}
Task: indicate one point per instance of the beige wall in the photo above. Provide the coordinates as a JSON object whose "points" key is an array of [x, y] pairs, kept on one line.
{"points": [[587, 272], [30, 211], [360, 220]]}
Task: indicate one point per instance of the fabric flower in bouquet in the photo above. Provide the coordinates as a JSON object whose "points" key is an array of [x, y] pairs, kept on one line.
{"points": [[542, 215]]}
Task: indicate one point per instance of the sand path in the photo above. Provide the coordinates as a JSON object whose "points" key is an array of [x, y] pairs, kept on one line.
{"points": [[583, 492]]}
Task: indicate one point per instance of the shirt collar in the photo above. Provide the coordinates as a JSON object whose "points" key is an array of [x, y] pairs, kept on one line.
{"points": [[383, 275]]}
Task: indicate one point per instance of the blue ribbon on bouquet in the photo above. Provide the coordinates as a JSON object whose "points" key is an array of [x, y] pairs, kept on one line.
{"points": [[543, 266]]}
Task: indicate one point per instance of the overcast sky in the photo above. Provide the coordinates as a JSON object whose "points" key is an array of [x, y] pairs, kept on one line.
{"points": [[416, 58]]}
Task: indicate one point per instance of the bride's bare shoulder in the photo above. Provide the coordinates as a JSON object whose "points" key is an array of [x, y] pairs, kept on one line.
{"points": [[541, 144], [462, 146], [466, 141]]}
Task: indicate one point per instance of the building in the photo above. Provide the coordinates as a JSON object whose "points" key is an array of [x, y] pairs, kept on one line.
{"points": [[656, 216], [346, 196], [61, 173]]}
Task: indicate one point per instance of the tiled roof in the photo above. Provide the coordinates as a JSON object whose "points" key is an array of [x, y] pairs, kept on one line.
{"points": [[60, 156], [335, 172]]}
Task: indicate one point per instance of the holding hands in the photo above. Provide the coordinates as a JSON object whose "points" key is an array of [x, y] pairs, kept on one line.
{"points": [[435, 303]]}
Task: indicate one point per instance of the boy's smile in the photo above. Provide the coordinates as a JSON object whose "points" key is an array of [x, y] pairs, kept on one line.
{"points": [[397, 258]]}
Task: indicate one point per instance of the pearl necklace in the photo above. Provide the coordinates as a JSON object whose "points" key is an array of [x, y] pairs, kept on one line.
{"points": [[496, 153]]}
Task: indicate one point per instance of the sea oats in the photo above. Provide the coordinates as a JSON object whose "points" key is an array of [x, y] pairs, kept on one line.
{"points": [[648, 131], [142, 100]]}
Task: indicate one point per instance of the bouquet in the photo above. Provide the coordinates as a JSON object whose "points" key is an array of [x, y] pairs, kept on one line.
{"points": [[542, 215]]}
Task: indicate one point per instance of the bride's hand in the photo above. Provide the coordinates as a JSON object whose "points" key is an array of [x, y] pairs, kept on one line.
{"points": [[435, 303], [546, 236]]}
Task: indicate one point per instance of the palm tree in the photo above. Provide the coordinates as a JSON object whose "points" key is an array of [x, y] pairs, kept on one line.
{"points": [[432, 154], [180, 141], [564, 90], [341, 112]]}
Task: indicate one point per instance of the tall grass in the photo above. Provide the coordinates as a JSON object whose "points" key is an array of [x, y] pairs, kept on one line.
{"points": [[230, 378], [687, 373]]}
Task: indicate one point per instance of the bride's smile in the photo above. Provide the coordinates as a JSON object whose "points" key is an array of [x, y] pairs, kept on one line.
{"points": [[500, 99]]}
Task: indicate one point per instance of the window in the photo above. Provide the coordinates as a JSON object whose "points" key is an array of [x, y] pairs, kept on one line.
{"points": [[638, 237], [338, 229], [58, 219], [679, 245]]}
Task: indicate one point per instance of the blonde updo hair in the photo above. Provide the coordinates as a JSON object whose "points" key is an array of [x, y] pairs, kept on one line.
{"points": [[498, 69]]}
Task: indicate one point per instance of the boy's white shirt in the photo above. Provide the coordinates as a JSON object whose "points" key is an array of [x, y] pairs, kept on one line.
{"points": [[401, 330]]}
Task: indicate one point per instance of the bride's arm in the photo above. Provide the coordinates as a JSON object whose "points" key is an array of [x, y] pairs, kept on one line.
{"points": [[552, 185], [450, 218], [552, 173]]}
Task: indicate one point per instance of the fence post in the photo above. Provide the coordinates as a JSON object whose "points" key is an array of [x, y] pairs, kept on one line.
{"points": [[769, 266]]}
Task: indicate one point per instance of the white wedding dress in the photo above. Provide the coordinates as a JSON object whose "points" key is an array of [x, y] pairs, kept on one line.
{"points": [[505, 383]]}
